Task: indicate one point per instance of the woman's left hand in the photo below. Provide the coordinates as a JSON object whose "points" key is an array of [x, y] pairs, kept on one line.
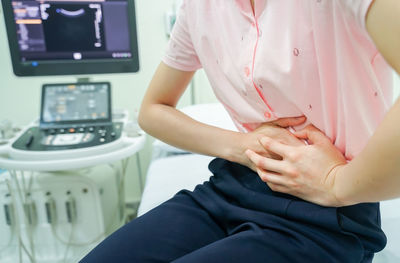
{"points": [[307, 172]]}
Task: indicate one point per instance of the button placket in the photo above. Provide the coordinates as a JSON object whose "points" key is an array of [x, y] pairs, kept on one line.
{"points": [[268, 112]]}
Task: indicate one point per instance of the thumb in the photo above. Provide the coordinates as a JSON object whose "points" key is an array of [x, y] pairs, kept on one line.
{"points": [[291, 121]]}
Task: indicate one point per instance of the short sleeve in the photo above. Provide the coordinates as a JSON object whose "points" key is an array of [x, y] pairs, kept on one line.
{"points": [[180, 52], [357, 10]]}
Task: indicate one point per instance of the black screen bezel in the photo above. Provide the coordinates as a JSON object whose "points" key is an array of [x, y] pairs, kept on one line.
{"points": [[70, 67], [75, 122]]}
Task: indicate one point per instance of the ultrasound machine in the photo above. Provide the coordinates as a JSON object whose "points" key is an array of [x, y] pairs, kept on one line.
{"points": [[64, 186], [71, 37], [73, 117]]}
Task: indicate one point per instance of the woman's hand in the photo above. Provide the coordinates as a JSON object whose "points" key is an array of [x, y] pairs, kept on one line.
{"points": [[275, 130], [306, 171]]}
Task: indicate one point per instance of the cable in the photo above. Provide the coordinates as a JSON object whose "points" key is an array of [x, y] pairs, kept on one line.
{"points": [[30, 213], [9, 210], [121, 189], [17, 223], [69, 242], [141, 185], [31, 209], [27, 220], [124, 164], [23, 194], [22, 244]]}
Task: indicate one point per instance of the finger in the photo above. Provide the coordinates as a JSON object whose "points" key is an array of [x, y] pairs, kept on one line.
{"points": [[275, 181], [271, 177], [265, 163], [291, 140], [292, 121], [302, 134], [313, 134], [275, 147], [279, 188]]}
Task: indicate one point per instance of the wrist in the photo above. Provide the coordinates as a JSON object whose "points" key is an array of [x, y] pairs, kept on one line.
{"points": [[235, 149], [340, 188]]}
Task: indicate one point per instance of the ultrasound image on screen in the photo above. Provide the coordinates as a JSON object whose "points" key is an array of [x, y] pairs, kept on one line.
{"points": [[87, 102], [73, 27], [72, 30]]}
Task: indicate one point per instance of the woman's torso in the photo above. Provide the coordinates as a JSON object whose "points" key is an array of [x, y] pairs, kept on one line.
{"points": [[290, 58]]}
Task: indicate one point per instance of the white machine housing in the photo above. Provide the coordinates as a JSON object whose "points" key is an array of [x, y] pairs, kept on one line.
{"points": [[96, 193]]}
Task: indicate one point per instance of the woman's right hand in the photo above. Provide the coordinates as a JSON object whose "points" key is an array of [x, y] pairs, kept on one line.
{"points": [[276, 130]]}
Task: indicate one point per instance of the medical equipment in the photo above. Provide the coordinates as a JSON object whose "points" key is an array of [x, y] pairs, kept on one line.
{"points": [[71, 37], [6, 130], [76, 130], [73, 117], [62, 208], [58, 217], [73, 195], [173, 169]]}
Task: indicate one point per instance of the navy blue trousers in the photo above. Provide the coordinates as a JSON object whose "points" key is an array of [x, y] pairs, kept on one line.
{"points": [[235, 217]]}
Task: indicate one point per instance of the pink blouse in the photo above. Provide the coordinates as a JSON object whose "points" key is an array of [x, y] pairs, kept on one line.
{"points": [[288, 58]]}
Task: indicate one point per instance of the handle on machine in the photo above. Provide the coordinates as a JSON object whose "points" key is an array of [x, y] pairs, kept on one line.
{"points": [[131, 145]]}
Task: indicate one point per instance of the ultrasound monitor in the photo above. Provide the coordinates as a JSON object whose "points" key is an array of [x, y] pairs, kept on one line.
{"points": [[64, 37], [81, 103]]}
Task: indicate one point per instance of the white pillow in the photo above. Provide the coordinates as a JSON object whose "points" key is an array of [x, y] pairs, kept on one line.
{"points": [[212, 114]]}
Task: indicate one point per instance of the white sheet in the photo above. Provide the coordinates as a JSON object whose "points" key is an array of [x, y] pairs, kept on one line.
{"points": [[167, 176]]}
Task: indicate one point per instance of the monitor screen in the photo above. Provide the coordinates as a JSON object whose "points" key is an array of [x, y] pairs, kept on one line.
{"points": [[75, 103], [58, 37]]}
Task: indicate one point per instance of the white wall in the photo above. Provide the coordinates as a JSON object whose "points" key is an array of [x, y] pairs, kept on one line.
{"points": [[20, 97]]}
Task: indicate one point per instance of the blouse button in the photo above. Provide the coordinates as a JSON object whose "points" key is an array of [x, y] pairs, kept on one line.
{"points": [[247, 71], [296, 52], [267, 115]]}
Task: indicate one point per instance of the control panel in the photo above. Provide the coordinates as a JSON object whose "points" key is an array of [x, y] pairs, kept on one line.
{"points": [[66, 138]]}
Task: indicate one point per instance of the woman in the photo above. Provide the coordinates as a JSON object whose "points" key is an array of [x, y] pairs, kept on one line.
{"points": [[277, 67]]}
